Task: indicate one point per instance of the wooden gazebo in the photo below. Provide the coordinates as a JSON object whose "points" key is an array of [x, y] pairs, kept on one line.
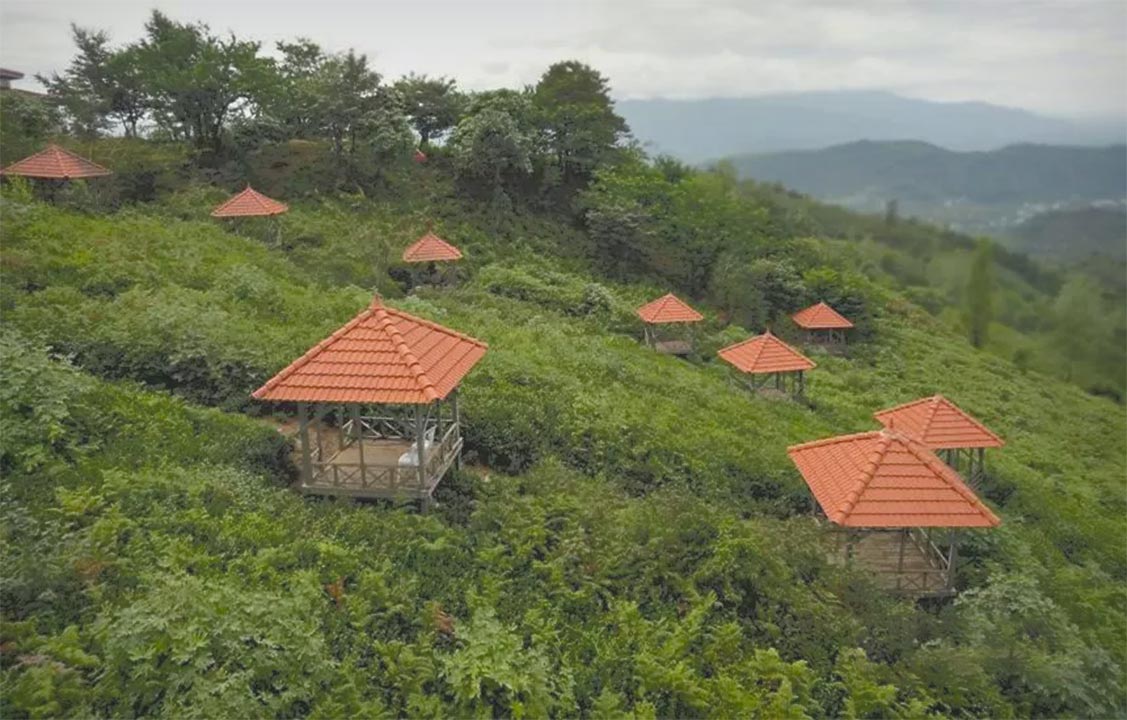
{"points": [[55, 165], [822, 324], [252, 204], [943, 426], [668, 311], [896, 507], [432, 252], [766, 357], [377, 405]]}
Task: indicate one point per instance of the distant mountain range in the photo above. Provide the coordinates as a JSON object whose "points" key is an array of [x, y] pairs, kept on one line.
{"points": [[969, 191], [702, 130]]}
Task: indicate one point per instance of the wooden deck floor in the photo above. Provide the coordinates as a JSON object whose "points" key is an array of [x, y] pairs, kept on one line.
{"points": [[382, 476], [918, 575]]}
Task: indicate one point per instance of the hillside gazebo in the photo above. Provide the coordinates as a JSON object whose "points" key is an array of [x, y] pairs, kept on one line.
{"points": [[377, 405], [665, 311], [251, 203], [823, 325], [431, 250], [764, 357], [55, 164], [896, 507], [943, 426]]}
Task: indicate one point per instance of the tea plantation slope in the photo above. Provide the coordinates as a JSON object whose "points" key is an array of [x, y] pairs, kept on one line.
{"points": [[206, 314]]}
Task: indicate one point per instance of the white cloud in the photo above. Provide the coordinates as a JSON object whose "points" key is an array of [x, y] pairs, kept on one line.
{"points": [[1061, 57]]}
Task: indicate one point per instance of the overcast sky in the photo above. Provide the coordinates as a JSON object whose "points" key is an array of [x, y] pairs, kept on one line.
{"points": [[1061, 57]]}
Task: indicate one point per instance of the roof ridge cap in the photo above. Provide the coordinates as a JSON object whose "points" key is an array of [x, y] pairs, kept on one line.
{"points": [[425, 384], [432, 325], [868, 472], [835, 439]]}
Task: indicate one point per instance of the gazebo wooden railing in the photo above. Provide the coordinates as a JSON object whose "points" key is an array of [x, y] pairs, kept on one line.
{"points": [[377, 402], [897, 509]]}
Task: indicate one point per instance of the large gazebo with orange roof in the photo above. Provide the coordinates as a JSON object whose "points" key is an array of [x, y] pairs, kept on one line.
{"points": [[943, 426], [56, 163], [766, 356], [377, 405], [892, 499], [822, 324], [668, 310]]}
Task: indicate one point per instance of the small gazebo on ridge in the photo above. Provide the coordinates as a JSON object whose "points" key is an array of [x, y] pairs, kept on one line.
{"points": [[822, 324], [668, 310], [251, 204], [55, 164], [897, 508], [958, 438], [764, 357], [377, 405], [433, 252]]}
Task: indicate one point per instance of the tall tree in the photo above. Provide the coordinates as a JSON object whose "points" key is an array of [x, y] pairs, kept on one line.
{"points": [[347, 99], [980, 294], [433, 104], [577, 116], [80, 90], [490, 154], [198, 79]]}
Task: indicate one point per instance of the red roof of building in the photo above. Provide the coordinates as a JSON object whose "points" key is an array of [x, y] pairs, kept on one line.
{"points": [[886, 479], [420, 156], [431, 248], [765, 354], [249, 203], [820, 317], [56, 163], [668, 309], [382, 356], [938, 423]]}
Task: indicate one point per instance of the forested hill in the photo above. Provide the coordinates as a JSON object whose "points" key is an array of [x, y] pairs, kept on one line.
{"points": [[976, 190], [703, 130], [1073, 235], [627, 537]]}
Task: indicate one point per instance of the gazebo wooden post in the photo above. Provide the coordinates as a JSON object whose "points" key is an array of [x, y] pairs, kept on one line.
{"points": [[420, 443], [358, 438], [457, 424], [900, 560], [303, 433], [952, 559]]}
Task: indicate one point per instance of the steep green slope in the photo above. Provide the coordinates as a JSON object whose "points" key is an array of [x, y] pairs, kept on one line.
{"points": [[635, 538]]}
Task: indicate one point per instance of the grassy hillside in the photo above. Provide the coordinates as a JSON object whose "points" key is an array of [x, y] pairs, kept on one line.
{"points": [[630, 540]]}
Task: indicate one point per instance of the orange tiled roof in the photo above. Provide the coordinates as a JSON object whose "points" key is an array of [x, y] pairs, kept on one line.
{"points": [[765, 354], [820, 317], [938, 423], [887, 479], [382, 356], [668, 309], [431, 248], [56, 163], [249, 203]]}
